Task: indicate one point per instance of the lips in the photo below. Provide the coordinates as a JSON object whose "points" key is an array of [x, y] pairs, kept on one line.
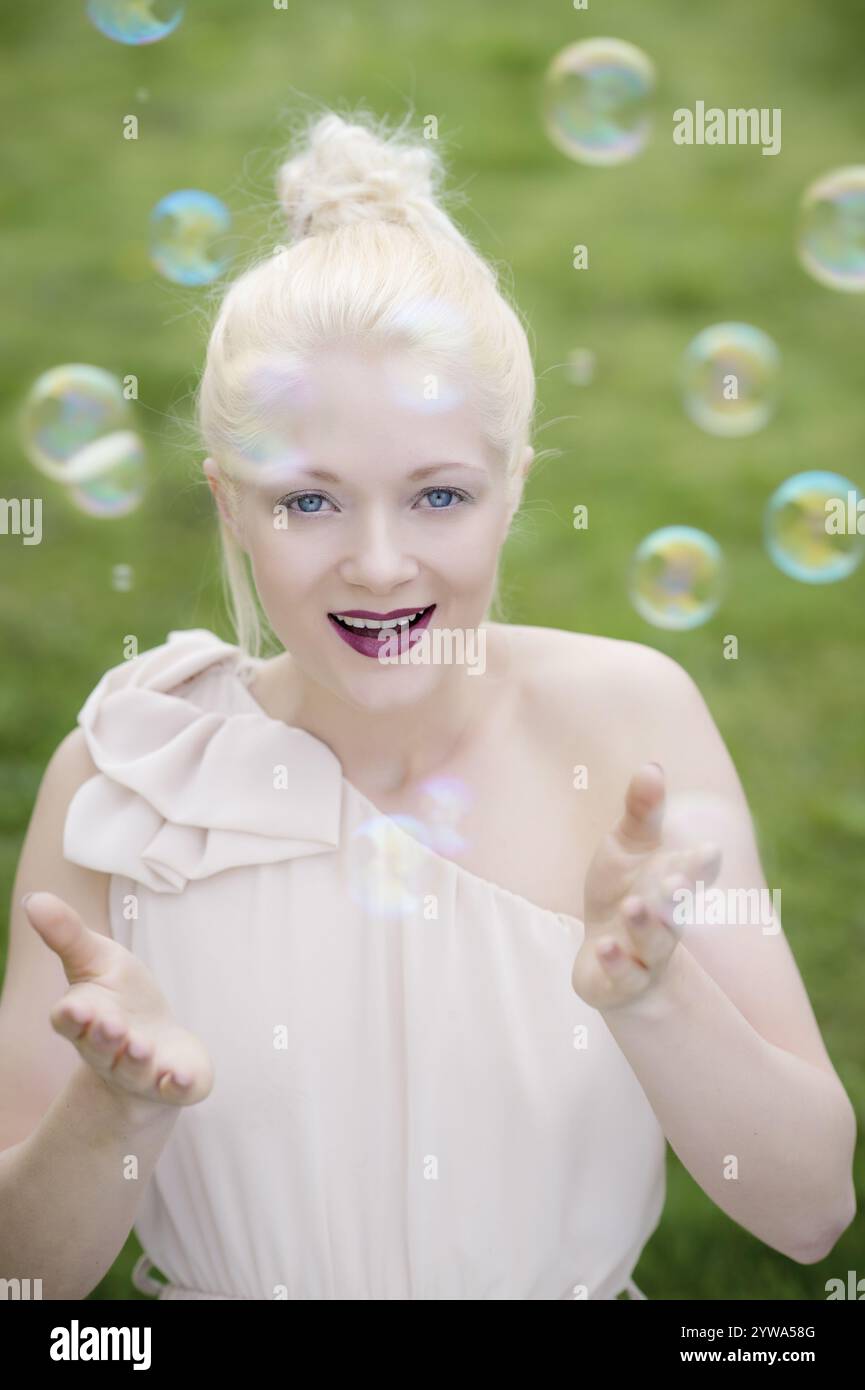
{"points": [[368, 642]]}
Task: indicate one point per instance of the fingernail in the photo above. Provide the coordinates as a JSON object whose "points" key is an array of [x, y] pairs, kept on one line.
{"points": [[26, 896], [182, 1078]]}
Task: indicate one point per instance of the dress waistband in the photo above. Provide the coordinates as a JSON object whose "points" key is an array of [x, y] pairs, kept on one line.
{"points": [[164, 1289]]}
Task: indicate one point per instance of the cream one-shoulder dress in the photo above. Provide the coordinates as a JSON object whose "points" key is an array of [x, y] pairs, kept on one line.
{"points": [[410, 1101]]}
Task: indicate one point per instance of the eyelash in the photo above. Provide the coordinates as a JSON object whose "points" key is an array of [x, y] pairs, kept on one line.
{"points": [[296, 497]]}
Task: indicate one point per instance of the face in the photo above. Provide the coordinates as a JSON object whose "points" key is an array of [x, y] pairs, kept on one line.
{"points": [[385, 508]]}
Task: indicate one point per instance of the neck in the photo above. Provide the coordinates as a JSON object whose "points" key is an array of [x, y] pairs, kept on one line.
{"points": [[390, 749]]}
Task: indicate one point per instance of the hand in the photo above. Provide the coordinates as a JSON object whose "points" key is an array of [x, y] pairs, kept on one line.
{"points": [[630, 935], [115, 1014]]}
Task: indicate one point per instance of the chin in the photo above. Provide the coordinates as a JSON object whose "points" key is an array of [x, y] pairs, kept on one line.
{"points": [[388, 687]]}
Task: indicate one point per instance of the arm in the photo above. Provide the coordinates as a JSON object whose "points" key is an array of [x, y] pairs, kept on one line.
{"points": [[725, 1043], [68, 1123], [66, 1204], [722, 1092]]}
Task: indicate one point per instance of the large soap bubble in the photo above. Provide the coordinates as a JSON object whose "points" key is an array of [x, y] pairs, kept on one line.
{"points": [[135, 21], [831, 239], [596, 101], [730, 376], [76, 427], [189, 237], [677, 577], [811, 527]]}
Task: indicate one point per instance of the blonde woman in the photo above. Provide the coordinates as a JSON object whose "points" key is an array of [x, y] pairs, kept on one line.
{"points": [[372, 969]]}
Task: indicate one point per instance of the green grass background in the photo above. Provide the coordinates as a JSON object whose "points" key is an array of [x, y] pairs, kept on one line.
{"points": [[679, 238]]}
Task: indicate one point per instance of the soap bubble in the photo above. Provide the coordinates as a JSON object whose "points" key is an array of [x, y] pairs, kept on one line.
{"points": [[264, 449], [428, 323], [445, 802], [580, 366], [386, 866], [677, 577], [596, 101], [189, 241], [76, 427], [135, 21], [730, 379], [122, 577], [831, 242], [808, 540]]}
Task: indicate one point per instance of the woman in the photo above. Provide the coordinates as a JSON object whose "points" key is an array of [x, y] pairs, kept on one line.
{"points": [[373, 952]]}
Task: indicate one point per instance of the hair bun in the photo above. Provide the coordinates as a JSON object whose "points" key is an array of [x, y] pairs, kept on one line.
{"points": [[347, 172]]}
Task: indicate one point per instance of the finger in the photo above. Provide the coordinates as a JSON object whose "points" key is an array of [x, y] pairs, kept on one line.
{"points": [[701, 861], [625, 977], [174, 1085], [644, 808], [103, 1040], [81, 951], [652, 939], [76, 1010]]}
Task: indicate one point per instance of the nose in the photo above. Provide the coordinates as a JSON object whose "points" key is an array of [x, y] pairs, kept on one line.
{"points": [[377, 558]]}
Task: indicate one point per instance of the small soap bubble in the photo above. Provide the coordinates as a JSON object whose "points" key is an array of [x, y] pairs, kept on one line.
{"points": [[76, 427], [831, 237], [121, 578], [445, 802], [730, 379], [677, 577], [429, 330], [279, 396], [135, 21], [189, 237], [580, 366], [597, 98], [811, 527], [385, 865]]}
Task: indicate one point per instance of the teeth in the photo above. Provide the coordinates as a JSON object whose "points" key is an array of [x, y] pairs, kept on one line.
{"points": [[376, 624]]}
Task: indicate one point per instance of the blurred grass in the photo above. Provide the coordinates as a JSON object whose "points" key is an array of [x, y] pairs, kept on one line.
{"points": [[679, 238]]}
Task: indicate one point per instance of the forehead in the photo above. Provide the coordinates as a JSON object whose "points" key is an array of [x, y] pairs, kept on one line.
{"points": [[345, 408]]}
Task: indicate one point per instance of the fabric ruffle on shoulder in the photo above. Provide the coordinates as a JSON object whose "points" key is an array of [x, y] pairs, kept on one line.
{"points": [[184, 792]]}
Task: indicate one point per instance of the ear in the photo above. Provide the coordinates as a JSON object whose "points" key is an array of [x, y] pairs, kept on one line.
{"points": [[214, 482]]}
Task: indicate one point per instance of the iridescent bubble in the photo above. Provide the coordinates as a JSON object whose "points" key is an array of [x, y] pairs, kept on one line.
{"points": [[386, 866], [122, 577], [597, 97], [266, 448], [831, 238], [580, 366], [135, 21], [814, 527], [425, 334], [413, 387], [76, 427], [445, 802], [189, 237], [677, 577], [730, 379]]}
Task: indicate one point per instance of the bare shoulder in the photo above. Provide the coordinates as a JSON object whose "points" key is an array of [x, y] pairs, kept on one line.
{"points": [[607, 705], [558, 668]]}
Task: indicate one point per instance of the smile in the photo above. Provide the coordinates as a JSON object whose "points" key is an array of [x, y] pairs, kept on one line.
{"points": [[365, 632]]}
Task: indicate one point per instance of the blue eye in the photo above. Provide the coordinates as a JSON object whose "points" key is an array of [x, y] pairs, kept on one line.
{"points": [[302, 497], [443, 491], [319, 497]]}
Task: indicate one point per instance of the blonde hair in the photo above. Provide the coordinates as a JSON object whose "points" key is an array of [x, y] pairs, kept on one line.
{"points": [[368, 241]]}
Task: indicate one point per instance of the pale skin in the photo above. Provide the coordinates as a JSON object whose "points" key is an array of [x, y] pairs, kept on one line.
{"points": [[716, 1024]]}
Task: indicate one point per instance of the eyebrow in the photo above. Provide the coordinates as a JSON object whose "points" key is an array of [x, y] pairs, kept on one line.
{"points": [[326, 477]]}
